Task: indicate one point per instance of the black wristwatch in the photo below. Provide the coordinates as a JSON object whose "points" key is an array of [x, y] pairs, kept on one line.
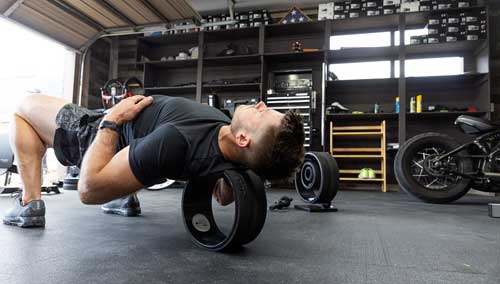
{"points": [[110, 125]]}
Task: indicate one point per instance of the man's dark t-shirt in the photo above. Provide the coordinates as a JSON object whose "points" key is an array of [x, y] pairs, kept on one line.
{"points": [[175, 138]]}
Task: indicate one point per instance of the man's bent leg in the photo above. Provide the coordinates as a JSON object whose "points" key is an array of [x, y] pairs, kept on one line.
{"points": [[32, 132]]}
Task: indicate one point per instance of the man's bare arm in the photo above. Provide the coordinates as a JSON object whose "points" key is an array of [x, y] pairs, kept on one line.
{"points": [[105, 174]]}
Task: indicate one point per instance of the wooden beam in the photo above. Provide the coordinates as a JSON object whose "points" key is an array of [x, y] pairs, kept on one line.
{"points": [[155, 11], [76, 13], [13, 8], [115, 11]]}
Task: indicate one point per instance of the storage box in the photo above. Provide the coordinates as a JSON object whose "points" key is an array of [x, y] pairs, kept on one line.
{"points": [[339, 6], [463, 4], [434, 38], [433, 29], [453, 28], [372, 12], [339, 16], [410, 7], [434, 20], [444, 4], [425, 8], [389, 10], [372, 3], [355, 14], [325, 11], [391, 2]]}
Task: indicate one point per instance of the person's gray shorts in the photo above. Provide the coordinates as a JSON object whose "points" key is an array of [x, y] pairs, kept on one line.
{"points": [[76, 129]]}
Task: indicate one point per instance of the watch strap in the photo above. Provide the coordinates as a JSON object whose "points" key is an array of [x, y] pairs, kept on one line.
{"points": [[110, 125]]}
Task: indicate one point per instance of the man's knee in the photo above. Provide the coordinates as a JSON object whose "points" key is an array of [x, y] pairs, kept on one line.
{"points": [[27, 105]]}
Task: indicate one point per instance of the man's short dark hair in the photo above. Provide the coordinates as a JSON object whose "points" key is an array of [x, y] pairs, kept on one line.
{"points": [[280, 150]]}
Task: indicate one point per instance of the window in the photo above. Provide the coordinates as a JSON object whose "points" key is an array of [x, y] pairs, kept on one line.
{"points": [[408, 35], [362, 70], [440, 66], [360, 40], [30, 62], [382, 69]]}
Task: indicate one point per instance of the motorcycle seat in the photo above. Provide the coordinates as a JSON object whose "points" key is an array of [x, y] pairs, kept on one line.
{"points": [[475, 125]]}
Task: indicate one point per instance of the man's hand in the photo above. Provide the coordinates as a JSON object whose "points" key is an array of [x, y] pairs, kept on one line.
{"points": [[223, 193], [128, 109]]}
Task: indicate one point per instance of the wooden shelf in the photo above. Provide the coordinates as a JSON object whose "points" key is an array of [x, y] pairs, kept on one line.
{"points": [[359, 153], [364, 116], [354, 85], [232, 60], [185, 63], [387, 22], [357, 171], [363, 54], [450, 114], [357, 156], [247, 87], [171, 39], [314, 27], [232, 34], [361, 179], [347, 150], [355, 128], [382, 22], [295, 56], [171, 90], [431, 49], [448, 81]]}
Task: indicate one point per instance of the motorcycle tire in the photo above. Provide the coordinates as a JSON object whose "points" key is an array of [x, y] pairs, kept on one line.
{"points": [[404, 160]]}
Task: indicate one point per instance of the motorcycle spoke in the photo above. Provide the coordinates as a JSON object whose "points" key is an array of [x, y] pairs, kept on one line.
{"points": [[441, 179], [432, 182]]}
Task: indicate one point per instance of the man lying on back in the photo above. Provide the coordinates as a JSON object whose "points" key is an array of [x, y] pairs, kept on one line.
{"points": [[143, 140]]}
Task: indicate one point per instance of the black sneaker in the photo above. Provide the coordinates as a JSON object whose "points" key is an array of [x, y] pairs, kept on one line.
{"points": [[27, 216], [127, 206]]}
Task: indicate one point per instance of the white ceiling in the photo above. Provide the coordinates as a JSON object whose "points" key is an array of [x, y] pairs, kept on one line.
{"points": [[211, 6]]}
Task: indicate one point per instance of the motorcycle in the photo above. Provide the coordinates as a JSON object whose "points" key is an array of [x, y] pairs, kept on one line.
{"points": [[435, 168]]}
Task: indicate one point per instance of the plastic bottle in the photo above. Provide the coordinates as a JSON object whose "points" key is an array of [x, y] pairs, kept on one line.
{"points": [[419, 103], [397, 105], [413, 105]]}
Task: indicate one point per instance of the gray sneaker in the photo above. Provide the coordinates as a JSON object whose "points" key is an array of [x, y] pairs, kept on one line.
{"points": [[127, 206], [27, 216]]}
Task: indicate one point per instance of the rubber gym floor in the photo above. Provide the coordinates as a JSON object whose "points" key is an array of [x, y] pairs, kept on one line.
{"points": [[374, 238]]}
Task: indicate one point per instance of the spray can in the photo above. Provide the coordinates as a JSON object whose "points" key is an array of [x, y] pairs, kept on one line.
{"points": [[413, 105], [376, 108], [397, 105], [419, 103]]}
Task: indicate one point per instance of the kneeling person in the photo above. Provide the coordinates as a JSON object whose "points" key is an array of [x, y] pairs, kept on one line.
{"points": [[143, 140]]}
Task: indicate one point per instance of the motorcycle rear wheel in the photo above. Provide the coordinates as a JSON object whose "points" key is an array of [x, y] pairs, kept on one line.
{"points": [[417, 178]]}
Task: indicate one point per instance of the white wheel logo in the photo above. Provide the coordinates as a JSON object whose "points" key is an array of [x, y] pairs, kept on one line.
{"points": [[201, 223]]}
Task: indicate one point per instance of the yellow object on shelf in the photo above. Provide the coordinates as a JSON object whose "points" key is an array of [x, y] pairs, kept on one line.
{"points": [[419, 103]]}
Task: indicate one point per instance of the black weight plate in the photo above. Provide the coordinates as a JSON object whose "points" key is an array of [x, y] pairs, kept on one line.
{"points": [[249, 216], [331, 174], [308, 194], [326, 182], [326, 178]]}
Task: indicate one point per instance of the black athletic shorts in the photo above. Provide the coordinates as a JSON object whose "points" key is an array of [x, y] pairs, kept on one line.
{"points": [[76, 129]]}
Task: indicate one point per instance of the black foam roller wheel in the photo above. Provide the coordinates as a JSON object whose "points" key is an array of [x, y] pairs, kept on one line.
{"points": [[318, 179], [250, 210]]}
